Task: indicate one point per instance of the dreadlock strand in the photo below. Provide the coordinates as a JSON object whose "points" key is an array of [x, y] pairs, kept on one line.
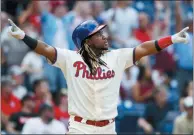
{"points": [[90, 58]]}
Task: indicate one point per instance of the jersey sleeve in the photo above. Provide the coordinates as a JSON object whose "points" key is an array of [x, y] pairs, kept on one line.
{"points": [[61, 58], [126, 57]]}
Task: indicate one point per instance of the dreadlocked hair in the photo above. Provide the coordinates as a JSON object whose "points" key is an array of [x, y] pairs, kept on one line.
{"points": [[90, 57]]}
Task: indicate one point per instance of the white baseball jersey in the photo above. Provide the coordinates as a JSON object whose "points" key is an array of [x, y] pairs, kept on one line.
{"points": [[93, 97]]}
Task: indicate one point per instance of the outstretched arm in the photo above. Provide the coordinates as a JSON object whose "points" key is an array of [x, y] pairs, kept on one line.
{"points": [[36, 45], [152, 47]]}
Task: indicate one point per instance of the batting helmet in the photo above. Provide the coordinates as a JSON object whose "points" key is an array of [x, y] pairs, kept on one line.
{"points": [[84, 30]]}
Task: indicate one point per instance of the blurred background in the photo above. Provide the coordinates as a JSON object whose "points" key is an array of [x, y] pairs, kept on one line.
{"points": [[155, 95]]}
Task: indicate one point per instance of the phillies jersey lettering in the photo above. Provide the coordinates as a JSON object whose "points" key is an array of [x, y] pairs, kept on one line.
{"points": [[93, 97], [100, 74]]}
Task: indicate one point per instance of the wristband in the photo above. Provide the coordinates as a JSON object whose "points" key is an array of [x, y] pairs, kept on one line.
{"points": [[30, 42], [163, 43]]}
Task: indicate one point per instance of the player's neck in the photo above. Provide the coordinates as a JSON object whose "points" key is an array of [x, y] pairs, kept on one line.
{"points": [[97, 52]]}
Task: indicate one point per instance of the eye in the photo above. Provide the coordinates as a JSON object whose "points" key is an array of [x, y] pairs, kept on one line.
{"points": [[100, 33]]}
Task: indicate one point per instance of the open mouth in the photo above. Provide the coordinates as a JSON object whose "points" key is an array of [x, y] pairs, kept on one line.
{"points": [[106, 43]]}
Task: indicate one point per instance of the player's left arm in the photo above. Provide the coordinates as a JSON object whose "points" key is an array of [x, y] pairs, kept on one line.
{"points": [[152, 47]]}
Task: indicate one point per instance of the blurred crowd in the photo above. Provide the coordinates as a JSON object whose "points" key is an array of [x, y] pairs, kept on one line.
{"points": [[155, 96]]}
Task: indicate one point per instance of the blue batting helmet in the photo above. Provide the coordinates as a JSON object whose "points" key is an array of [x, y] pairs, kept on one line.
{"points": [[84, 30]]}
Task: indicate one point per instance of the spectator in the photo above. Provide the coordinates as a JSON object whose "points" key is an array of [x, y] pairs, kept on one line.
{"points": [[158, 77], [82, 11], [32, 64], [184, 60], [17, 120], [143, 89], [165, 60], [147, 6], [126, 19], [129, 80], [52, 17], [4, 66], [45, 122], [97, 10], [15, 48], [13, 8], [184, 123], [143, 32], [4, 17], [187, 91], [9, 103], [61, 110], [18, 77], [42, 93], [30, 13], [54, 30], [155, 112]]}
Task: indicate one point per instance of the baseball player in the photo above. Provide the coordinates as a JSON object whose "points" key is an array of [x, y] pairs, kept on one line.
{"points": [[94, 73]]}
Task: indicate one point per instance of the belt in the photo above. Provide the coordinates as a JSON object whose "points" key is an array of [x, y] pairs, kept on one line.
{"points": [[94, 123]]}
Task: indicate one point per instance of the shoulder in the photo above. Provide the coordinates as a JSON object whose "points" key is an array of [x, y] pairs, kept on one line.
{"points": [[124, 52], [33, 121], [65, 52], [132, 10], [121, 50], [22, 88]]}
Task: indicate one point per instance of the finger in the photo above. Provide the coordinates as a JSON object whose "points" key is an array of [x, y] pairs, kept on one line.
{"points": [[12, 32], [187, 38], [185, 29], [183, 40], [12, 23]]}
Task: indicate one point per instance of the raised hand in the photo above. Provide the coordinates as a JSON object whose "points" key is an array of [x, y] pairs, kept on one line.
{"points": [[181, 37], [15, 31]]}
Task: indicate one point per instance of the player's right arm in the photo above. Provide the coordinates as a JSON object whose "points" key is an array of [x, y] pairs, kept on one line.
{"points": [[36, 45]]}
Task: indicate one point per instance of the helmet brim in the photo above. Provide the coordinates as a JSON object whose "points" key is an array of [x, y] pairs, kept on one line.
{"points": [[98, 29]]}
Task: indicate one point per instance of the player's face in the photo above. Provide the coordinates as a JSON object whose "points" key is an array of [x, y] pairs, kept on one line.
{"points": [[99, 41]]}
